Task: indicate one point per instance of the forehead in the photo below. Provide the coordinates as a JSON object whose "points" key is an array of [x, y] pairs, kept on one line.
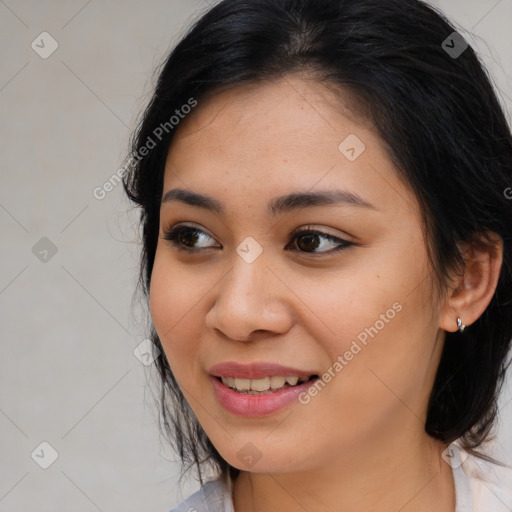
{"points": [[270, 137], [277, 114]]}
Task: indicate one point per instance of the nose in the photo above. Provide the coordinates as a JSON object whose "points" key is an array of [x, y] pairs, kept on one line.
{"points": [[250, 300]]}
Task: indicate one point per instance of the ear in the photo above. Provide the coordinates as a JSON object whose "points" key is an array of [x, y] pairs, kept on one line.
{"points": [[470, 294]]}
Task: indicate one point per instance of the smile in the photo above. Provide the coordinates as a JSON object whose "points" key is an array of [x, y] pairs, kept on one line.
{"points": [[265, 385]]}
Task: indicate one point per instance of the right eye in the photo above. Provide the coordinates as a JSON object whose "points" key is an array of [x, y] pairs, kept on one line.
{"points": [[185, 238]]}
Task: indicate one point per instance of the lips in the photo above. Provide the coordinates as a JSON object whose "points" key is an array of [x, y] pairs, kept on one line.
{"points": [[257, 370], [252, 403]]}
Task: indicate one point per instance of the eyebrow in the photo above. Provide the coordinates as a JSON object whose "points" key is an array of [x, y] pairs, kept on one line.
{"points": [[277, 205]]}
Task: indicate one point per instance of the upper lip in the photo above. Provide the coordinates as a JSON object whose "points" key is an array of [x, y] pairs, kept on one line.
{"points": [[256, 370]]}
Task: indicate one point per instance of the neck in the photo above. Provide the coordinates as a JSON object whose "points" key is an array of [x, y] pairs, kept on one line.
{"points": [[405, 474]]}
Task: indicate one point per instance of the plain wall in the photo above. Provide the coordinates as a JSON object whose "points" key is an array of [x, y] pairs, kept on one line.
{"points": [[68, 375]]}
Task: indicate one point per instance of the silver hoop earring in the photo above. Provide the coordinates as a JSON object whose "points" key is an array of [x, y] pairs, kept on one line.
{"points": [[460, 325]]}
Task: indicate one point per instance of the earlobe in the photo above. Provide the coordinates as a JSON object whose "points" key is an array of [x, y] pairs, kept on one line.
{"points": [[473, 291]]}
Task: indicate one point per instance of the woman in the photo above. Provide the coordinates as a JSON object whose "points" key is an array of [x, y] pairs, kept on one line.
{"points": [[327, 256]]}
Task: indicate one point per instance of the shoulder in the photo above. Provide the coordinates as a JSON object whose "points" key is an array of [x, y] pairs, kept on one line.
{"points": [[490, 484], [213, 496]]}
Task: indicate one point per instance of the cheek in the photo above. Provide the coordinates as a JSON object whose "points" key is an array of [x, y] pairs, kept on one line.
{"points": [[353, 305], [377, 333], [173, 307]]}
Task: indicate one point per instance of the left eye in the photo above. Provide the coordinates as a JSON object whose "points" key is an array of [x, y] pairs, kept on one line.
{"points": [[308, 241], [311, 240]]}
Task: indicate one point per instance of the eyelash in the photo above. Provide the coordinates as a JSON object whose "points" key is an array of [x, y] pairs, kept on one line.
{"points": [[172, 235]]}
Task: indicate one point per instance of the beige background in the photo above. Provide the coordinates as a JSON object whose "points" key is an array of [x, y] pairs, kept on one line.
{"points": [[68, 375]]}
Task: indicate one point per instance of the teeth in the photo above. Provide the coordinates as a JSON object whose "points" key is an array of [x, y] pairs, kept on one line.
{"points": [[228, 381], [254, 386], [292, 380], [259, 384], [277, 382], [243, 384]]}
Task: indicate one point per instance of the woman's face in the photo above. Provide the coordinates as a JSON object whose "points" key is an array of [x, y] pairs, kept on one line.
{"points": [[241, 286]]}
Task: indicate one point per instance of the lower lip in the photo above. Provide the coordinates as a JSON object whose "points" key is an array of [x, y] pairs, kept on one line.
{"points": [[252, 406]]}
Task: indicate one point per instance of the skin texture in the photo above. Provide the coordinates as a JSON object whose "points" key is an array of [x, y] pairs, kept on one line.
{"points": [[360, 443]]}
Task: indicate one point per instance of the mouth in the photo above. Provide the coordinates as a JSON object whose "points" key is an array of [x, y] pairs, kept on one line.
{"points": [[260, 388], [262, 396], [264, 386]]}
